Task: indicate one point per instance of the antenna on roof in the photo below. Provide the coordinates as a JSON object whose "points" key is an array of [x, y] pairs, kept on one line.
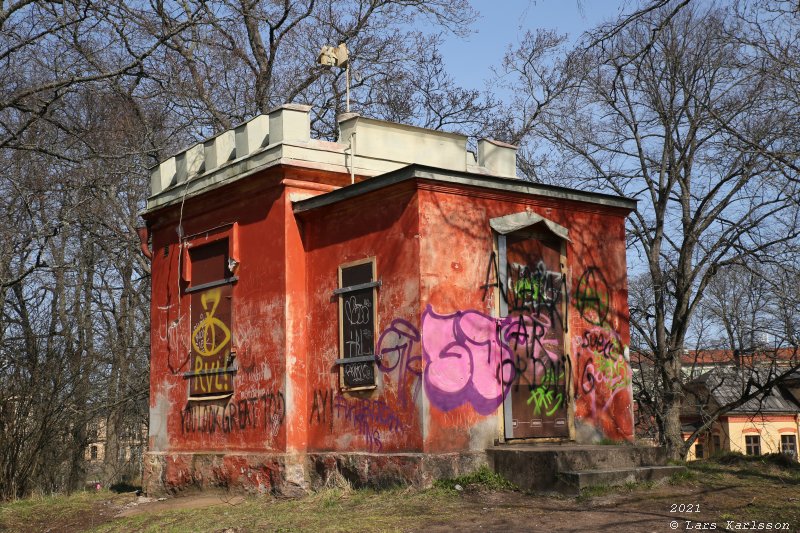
{"points": [[330, 56]]}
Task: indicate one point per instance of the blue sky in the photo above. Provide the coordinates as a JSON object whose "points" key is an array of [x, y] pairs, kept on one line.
{"points": [[503, 22]]}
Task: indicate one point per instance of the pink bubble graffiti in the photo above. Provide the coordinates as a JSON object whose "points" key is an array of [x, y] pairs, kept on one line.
{"points": [[464, 358]]}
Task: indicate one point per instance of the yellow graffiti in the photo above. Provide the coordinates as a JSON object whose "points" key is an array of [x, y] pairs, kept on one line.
{"points": [[211, 381], [206, 330]]}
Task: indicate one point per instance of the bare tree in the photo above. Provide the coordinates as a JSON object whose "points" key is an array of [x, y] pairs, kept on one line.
{"points": [[249, 56], [688, 128], [96, 91]]}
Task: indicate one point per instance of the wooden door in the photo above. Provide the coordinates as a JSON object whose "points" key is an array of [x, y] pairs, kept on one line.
{"points": [[533, 323]]}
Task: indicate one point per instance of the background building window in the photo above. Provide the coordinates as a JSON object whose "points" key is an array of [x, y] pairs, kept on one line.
{"points": [[789, 445], [93, 452], [752, 444], [715, 440], [698, 450]]}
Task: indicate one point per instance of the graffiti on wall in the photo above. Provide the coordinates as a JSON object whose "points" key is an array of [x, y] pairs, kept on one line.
{"points": [[171, 336], [397, 356], [464, 360], [210, 342], [592, 296], [265, 412], [371, 419], [536, 350], [322, 407], [534, 330], [602, 361], [603, 371], [534, 289]]}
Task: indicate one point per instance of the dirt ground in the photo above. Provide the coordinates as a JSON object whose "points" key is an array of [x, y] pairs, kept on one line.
{"points": [[738, 497]]}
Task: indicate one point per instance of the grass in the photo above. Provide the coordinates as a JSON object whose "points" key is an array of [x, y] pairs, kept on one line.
{"points": [[679, 478], [730, 487], [481, 478], [332, 509], [36, 512]]}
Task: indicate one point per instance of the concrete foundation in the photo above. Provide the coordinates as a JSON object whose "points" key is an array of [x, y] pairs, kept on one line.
{"points": [[294, 474]]}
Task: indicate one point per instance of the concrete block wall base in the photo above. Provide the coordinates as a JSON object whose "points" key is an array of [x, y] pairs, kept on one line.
{"points": [[293, 475]]}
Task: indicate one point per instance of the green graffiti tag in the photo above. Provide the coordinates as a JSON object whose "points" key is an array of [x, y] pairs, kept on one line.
{"points": [[545, 398], [615, 372]]}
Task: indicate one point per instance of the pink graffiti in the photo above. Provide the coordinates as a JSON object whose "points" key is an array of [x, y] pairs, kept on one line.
{"points": [[464, 360], [395, 349]]}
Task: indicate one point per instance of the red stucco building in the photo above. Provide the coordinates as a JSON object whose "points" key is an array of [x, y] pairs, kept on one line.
{"points": [[387, 306]]}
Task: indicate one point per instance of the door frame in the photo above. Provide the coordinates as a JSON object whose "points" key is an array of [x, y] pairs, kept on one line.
{"points": [[501, 310]]}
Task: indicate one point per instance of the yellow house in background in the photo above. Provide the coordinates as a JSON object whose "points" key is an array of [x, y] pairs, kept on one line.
{"points": [[765, 424], [128, 467]]}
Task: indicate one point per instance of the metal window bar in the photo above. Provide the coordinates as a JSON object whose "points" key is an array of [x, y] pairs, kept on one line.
{"points": [[211, 284], [358, 359], [229, 370], [360, 286]]}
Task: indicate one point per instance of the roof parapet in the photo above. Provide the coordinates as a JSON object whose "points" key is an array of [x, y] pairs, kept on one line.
{"points": [[497, 157], [290, 123], [389, 141], [220, 149], [287, 123], [367, 147], [252, 135]]}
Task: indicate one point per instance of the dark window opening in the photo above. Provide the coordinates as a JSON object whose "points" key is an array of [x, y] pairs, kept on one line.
{"points": [[357, 294], [789, 445], [93, 452], [698, 451], [210, 285], [209, 263], [752, 444]]}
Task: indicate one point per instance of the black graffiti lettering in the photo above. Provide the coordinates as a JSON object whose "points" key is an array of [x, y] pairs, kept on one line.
{"points": [[535, 290], [322, 408], [241, 415], [592, 296], [599, 343]]}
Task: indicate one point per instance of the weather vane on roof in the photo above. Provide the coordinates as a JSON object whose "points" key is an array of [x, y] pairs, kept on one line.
{"points": [[338, 56]]}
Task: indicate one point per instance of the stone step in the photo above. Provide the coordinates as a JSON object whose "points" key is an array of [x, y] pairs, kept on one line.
{"points": [[590, 457], [595, 478], [538, 467]]}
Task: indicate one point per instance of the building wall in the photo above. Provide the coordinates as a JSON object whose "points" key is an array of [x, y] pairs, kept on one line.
{"points": [[432, 248], [768, 427], [255, 417], [732, 431], [456, 248], [387, 418]]}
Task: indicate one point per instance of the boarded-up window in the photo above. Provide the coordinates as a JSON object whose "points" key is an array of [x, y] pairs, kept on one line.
{"points": [[357, 318], [211, 292]]}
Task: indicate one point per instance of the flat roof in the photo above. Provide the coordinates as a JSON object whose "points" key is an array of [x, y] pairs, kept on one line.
{"points": [[415, 171]]}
